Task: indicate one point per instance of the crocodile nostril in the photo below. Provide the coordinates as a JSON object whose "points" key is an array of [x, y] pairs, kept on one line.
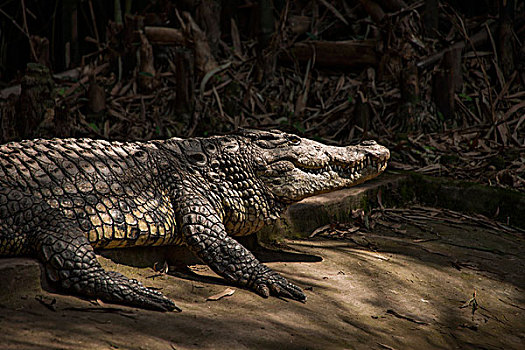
{"points": [[197, 158], [210, 148]]}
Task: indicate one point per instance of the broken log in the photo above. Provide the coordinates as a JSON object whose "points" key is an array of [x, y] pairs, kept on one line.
{"points": [[96, 95], [447, 81], [204, 59], [36, 103], [505, 35], [409, 84], [300, 24], [8, 119], [351, 53], [41, 50], [164, 36], [184, 75], [208, 16], [147, 80], [71, 74]]}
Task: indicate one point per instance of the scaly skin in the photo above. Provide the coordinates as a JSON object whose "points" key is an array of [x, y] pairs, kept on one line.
{"points": [[61, 198]]}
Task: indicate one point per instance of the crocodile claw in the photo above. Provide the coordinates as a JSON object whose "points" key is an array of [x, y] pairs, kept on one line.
{"points": [[275, 284], [123, 290]]}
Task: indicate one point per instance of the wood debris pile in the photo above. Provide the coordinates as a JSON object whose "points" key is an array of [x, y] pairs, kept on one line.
{"points": [[436, 86]]}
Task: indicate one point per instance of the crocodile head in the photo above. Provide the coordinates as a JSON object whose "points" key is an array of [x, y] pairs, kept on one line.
{"points": [[293, 168]]}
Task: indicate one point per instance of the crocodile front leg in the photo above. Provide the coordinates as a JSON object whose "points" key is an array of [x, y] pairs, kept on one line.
{"points": [[71, 264], [206, 237]]}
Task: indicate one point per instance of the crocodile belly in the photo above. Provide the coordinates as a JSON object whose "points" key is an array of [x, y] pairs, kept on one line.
{"points": [[123, 224]]}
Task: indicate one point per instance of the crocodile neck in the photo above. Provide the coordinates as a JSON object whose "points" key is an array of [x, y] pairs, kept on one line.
{"points": [[227, 182]]}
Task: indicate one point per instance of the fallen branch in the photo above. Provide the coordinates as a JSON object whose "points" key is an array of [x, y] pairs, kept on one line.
{"points": [[477, 39]]}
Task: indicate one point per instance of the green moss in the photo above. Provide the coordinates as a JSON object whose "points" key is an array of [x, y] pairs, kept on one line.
{"points": [[470, 197]]}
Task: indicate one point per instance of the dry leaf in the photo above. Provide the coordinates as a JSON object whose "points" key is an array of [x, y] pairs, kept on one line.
{"points": [[226, 293]]}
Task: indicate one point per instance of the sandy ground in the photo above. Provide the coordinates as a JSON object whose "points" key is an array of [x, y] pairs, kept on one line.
{"points": [[380, 290]]}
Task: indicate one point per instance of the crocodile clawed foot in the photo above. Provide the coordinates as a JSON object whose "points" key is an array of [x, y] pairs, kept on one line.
{"points": [[275, 284], [123, 290]]}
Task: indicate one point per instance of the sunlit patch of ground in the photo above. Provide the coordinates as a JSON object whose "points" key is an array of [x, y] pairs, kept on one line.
{"points": [[398, 287]]}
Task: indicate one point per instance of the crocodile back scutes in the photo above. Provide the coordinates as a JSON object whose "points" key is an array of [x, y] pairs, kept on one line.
{"points": [[108, 189]]}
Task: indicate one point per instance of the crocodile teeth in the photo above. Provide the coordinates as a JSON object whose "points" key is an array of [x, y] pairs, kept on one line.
{"points": [[349, 171]]}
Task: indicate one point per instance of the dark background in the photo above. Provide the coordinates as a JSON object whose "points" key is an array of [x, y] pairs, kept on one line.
{"points": [[441, 83]]}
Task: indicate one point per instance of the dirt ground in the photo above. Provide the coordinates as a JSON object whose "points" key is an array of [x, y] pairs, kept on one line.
{"points": [[388, 289]]}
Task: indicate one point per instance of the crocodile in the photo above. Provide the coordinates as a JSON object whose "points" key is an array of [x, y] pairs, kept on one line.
{"points": [[61, 199]]}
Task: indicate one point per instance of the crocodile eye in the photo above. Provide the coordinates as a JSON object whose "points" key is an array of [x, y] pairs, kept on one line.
{"points": [[294, 140], [141, 155]]}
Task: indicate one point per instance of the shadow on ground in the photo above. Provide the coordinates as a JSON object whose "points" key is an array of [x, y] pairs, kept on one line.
{"points": [[381, 290]]}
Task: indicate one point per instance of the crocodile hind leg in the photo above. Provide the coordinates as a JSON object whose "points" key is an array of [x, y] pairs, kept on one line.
{"points": [[71, 264], [206, 237]]}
